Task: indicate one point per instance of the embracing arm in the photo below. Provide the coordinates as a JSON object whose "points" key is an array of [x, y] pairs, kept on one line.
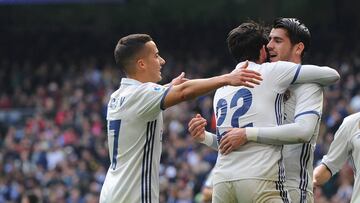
{"points": [[299, 132], [322, 75], [210, 140], [193, 88]]}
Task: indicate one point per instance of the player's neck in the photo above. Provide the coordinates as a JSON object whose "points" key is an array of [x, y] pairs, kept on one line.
{"points": [[136, 77], [296, 60]]}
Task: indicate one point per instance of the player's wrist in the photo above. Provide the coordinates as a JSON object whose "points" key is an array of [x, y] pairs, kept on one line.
{"points": [[251, 134], [208, 140], [225, 79]]}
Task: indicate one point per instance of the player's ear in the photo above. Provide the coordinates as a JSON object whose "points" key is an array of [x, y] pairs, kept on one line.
{"points": [[263, 54], [140, 63], [299, 48]]}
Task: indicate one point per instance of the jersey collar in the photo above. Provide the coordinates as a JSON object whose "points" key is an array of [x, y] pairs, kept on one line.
{"points": [[129, 81]]}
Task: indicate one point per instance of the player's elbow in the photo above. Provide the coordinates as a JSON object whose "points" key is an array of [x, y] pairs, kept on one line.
{"points": [[307, 135], [306, 127], [331, 78], [176, 95], [186, 94], [304, 135], [335, 76]]}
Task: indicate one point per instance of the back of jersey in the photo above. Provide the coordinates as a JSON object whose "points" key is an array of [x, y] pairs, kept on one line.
{"points": [[134, 137], [261, 106]]}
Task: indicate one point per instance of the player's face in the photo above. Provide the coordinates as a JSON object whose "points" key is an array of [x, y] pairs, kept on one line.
{"points": [[279, 46], [153, 62]]}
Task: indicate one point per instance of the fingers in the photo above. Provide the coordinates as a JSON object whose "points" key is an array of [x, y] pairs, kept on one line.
{"points": [[199, 128], [196, 124], [248, 85], [227, 150], [225, 146], [196, 128], [179, 79], [223, 142], [198, 116], [199, 134], [250, 79], [245, 65], [251, 73], [182, 75]]}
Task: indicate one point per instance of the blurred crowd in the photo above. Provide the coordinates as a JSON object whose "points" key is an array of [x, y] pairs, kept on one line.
{"points": [[53, 142]]}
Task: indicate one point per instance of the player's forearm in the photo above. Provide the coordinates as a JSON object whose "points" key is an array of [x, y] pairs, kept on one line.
{"points": [[193, 88], [321, 175], [299, 132], [322, 75], [210, 140]]}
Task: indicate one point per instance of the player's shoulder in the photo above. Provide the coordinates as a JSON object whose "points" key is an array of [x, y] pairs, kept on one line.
{"points": [[281, 64], [351, 119], [116, 93], [150, 86], [276, 66]]}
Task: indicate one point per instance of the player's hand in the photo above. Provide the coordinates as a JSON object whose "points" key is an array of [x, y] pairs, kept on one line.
{"points": [[179, 79], [244, 77], [232, 140], [197, 128]]}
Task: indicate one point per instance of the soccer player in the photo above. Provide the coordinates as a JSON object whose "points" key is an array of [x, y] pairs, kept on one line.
{"points": [[289, 39], [254, 172], [135, 122], [346, 145]]}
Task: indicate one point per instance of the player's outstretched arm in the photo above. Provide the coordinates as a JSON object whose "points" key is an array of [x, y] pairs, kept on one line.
{"points": [[322, 75], [321, 175], [193, 88], [301, 132]]}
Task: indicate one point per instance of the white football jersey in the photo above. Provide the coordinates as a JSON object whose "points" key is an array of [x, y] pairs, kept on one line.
{"points": [[261, 106], [135, 126], [346, 145], [298, 158], [244, 107]]}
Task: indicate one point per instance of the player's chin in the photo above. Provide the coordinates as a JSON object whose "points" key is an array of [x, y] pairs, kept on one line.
{"points": [[273, 59]]}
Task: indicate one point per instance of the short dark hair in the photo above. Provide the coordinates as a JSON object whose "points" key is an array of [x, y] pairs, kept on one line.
{"points": [[128, 47], [297, 31], [244, 42]]}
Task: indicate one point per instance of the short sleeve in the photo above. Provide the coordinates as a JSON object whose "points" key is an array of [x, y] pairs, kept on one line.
{"points": [[339, 150], [149, 98], [283, 74], [309, 99]]}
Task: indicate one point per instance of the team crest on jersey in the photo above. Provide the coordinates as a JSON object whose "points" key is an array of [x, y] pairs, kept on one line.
{"points": [[157, 88]]}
